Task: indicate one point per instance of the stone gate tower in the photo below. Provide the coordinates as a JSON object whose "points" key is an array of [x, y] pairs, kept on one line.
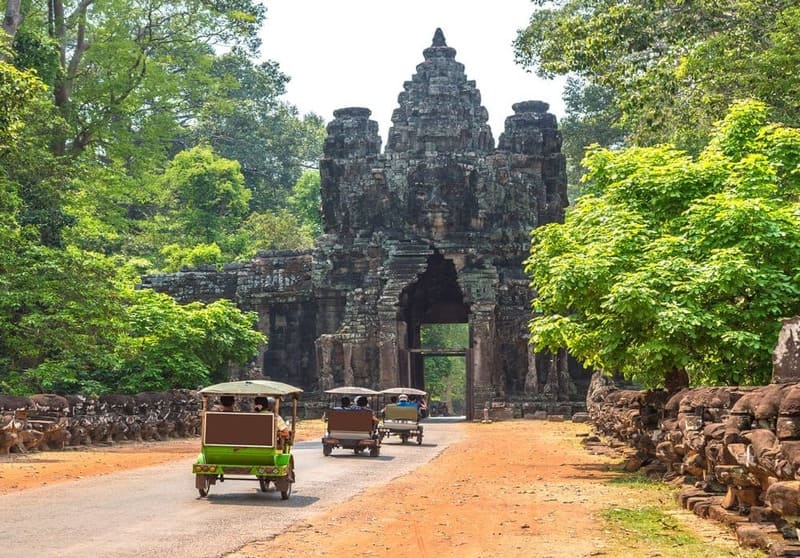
{"points": [[434, 229]]}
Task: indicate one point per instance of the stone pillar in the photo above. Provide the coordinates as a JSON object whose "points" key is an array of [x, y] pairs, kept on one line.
{"points": [[351, 197], [388, 346], [532, 377], [482, 332], [324, 355], [347, 351]]}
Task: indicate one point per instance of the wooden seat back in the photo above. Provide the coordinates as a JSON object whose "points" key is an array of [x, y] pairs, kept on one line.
{"points": [[350, 420], [239, 429], [396, 412]]}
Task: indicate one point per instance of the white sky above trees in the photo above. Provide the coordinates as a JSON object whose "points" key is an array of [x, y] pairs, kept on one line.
{"points": [[343, 53]]}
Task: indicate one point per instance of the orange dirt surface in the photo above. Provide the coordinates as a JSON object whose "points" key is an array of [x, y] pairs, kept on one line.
{"points": [[511, 489]]}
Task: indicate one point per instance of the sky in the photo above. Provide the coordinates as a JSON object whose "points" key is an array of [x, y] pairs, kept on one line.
{"points": [[358, 53]]}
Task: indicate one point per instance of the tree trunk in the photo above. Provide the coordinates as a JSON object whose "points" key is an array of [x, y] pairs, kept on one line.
{"points": [[11, 21]]}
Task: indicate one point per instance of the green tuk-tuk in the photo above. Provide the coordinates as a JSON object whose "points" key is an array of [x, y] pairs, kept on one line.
{"points": [[244, 437]]}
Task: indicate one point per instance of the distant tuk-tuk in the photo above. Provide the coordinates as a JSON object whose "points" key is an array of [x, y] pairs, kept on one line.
{"points": [[348, 426], [401, 414], [244, 436]]}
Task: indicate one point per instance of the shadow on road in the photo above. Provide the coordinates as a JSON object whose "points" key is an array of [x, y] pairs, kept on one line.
{"points": [[351, 455], [444, 419], [270, 499], [399, 444]]}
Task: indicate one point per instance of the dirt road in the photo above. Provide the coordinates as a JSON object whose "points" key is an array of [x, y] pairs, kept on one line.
{"points": [[511, 489]]}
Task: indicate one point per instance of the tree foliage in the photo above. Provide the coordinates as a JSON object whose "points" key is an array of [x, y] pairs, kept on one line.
{"points": [[169, 345], [592, 119], [244, 120], [673, 262], [109, 168], [445, 377], [132, 84], [306, 202], [674, 67], [206, 194]]}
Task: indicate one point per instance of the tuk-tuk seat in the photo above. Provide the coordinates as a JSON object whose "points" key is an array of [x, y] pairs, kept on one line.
{"points": [[394, 412], [350, 424], [239, 429]]}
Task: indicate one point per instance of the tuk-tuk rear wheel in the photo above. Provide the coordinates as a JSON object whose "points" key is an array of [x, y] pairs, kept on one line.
{"points": [[290, 480], [202, 482], [327, 449], [264, 483]]}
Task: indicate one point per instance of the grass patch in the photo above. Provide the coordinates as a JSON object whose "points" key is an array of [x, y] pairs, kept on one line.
{"points": [[650, 531], [655, 526], [639, 480], [651, 525]]}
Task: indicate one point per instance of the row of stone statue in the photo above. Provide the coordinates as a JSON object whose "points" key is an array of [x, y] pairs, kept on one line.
{"points": [[50, 422], [740, 443]]}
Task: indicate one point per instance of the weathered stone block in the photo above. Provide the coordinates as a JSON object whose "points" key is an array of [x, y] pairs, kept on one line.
{"points": [[786, 355]]}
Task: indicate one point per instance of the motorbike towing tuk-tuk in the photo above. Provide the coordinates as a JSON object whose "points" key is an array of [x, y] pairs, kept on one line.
{"points": [[348, 425], [244, 437], [400, 416]]}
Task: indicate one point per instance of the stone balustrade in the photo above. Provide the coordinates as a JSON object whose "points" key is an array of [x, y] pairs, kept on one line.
{"points": [[736, 451], [53, 422]]}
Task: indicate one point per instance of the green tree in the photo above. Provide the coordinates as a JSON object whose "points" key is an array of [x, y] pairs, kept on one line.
{"points": [[208, 196], [19, 91], [275, 230], [173, 346], [672, 263], [674, 67], [592, 119], [60, 315], [177, 257], [123, 63], [306, 202], [242, 118], [27, 122], [445, 376]]}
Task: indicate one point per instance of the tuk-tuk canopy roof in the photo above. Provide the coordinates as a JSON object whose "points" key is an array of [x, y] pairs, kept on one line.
{"points": [[352, 390], [252, 387], [400, 390]]}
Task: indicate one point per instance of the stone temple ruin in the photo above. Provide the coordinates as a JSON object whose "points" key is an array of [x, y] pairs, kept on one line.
{"points": [[433, 230]]}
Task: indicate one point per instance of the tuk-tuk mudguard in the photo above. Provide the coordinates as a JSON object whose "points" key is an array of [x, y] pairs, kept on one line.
{"points": [[223, 469], [233, 460]]}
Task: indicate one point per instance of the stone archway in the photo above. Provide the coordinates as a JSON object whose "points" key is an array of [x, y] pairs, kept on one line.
{"points": [[434, 229], [435, 298]]}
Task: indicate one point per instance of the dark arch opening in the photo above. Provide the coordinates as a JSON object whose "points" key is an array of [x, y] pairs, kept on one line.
{"points": [[435, 298]]}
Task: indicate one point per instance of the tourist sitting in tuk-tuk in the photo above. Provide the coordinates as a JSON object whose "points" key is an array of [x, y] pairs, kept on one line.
{"points": [[363, 405], [267, 404], [402, 401], [227, 404], [419, 400]]}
